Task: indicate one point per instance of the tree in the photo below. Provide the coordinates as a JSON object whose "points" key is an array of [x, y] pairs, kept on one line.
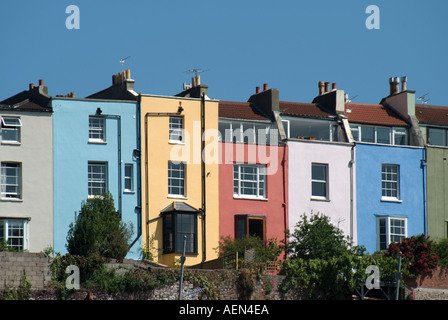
{"points": [[318, 238], [99, 230]]}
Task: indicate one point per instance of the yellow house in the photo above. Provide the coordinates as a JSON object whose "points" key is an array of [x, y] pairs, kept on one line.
{"points": [[180, 202]]}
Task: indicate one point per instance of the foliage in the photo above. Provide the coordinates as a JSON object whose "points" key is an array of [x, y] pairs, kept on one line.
{"points": [[418, 254], [268, 251], [20, 293], [317, 238], [99, 230], [442, 250], [87, 266]]}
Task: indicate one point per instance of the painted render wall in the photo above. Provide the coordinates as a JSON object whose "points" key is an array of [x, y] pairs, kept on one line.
{"points": [[273, 207], [72, 151], [369, 159], [338, 206], [35, 154], [437, 186]]}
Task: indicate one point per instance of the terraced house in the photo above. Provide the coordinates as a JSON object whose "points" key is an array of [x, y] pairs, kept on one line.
{"points": [[26, 160], [180, 186]]}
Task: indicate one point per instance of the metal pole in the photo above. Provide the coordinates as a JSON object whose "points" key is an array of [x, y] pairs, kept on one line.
{"points": [[398, 276], [182, 261]]}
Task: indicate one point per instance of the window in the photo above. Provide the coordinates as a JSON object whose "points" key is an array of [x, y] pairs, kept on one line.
{"points": [[11, 181], [11, 129], [322, 130], [97, 178], [437, 136], [128, 177], [390, 182], [13, 231], [246, 132], [319, 181], [176, 225], [383, 135], [176, 126], [250, 226], [390, 229], [249, 181], [176, 179], [97, 129]]}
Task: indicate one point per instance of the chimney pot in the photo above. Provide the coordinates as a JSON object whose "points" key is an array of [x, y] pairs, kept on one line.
{"points": [[403, 83], [333, 86], [327, 87], [41, 82], [321, 87], [257, 89], [265, 86], [31, 86]]}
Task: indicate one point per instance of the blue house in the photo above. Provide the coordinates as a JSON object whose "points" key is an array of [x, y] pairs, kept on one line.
{"points": [[390, 170], [96, 149]]}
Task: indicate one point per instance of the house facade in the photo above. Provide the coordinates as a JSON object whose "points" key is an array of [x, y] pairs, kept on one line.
{"points": [[253, 169], [95, 143], [26, 200], [390, 171], [180, 183], [434, 125]]}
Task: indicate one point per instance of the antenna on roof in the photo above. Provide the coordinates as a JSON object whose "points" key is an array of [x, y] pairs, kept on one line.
{"points": [[422, 98], [196, 71], [349, 99], [122, 73]]}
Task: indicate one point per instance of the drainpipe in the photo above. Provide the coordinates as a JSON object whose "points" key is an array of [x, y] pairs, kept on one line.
{"points": [[137, 154], [352, 162], [285, 199], [204, 241], [425, 218]]}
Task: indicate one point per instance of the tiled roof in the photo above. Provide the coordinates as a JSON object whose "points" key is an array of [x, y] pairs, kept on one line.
{"points": [[303, 109], [431, 114], [240, 110], [25, 105], [372, 114]]}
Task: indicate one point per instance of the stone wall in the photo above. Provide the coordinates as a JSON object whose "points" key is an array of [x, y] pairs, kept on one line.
{"points": [[13, 265], [430, 286]]}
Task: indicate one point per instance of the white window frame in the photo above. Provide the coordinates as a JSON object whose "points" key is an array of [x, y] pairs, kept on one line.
{"points": [[393, 133], [129, 178], [7, 195], [390, 233], [92, 180], [242, 130], [259, 181], [179, 167], [5, 126], [385, 190], [97, 133], [176, 129], [6, 223], [325, 182]]}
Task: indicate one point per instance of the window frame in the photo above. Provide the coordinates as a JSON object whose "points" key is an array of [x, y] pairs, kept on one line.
{"points": [[445, 136], [129, 178], [247, 132], [90, 180], [385, 190], [394, 133], [97, 130], [326, 197], [243, 230], [261, 183], [11, 127], [173, 237], [176, 131], [384, 239], [4, 195], [182, 178], [5, 229]]}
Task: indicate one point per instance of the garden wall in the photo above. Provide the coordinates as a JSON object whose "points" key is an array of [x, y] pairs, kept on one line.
{"points": [[430, 286]]}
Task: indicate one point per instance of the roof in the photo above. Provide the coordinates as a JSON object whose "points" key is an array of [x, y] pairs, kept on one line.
{"points": [[25, 105], [375, 114], [431, 114], [179, 206], [241, 110], [302, 109]]}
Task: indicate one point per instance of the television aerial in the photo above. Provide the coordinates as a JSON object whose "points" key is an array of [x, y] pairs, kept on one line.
{"points": [[422, 98], [122, 61], [196, 71]]}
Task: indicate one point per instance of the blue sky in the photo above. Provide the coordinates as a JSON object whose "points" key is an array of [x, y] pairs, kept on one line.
{"points": [[289, 44]]}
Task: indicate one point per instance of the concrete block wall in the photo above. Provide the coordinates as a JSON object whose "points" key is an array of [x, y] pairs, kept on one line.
{"points": [[14, 264]]}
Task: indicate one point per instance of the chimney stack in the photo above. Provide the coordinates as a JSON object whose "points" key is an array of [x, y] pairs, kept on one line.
{"points": [[265, 86], [257, 90], [31, 86], [321, 87], [403, 83], [333, 86], [327, 87], [394, 84], [41, 82]]}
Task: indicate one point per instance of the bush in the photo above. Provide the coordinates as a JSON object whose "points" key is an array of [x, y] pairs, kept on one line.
{"points": [[99, 230], [418, 254], [442, 251]]}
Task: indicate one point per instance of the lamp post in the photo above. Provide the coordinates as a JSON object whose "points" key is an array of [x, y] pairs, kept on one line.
{"points": [[182, 261]]}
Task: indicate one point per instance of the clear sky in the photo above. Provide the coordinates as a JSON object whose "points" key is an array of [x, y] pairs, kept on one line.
{"points": [[289, 44]]}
